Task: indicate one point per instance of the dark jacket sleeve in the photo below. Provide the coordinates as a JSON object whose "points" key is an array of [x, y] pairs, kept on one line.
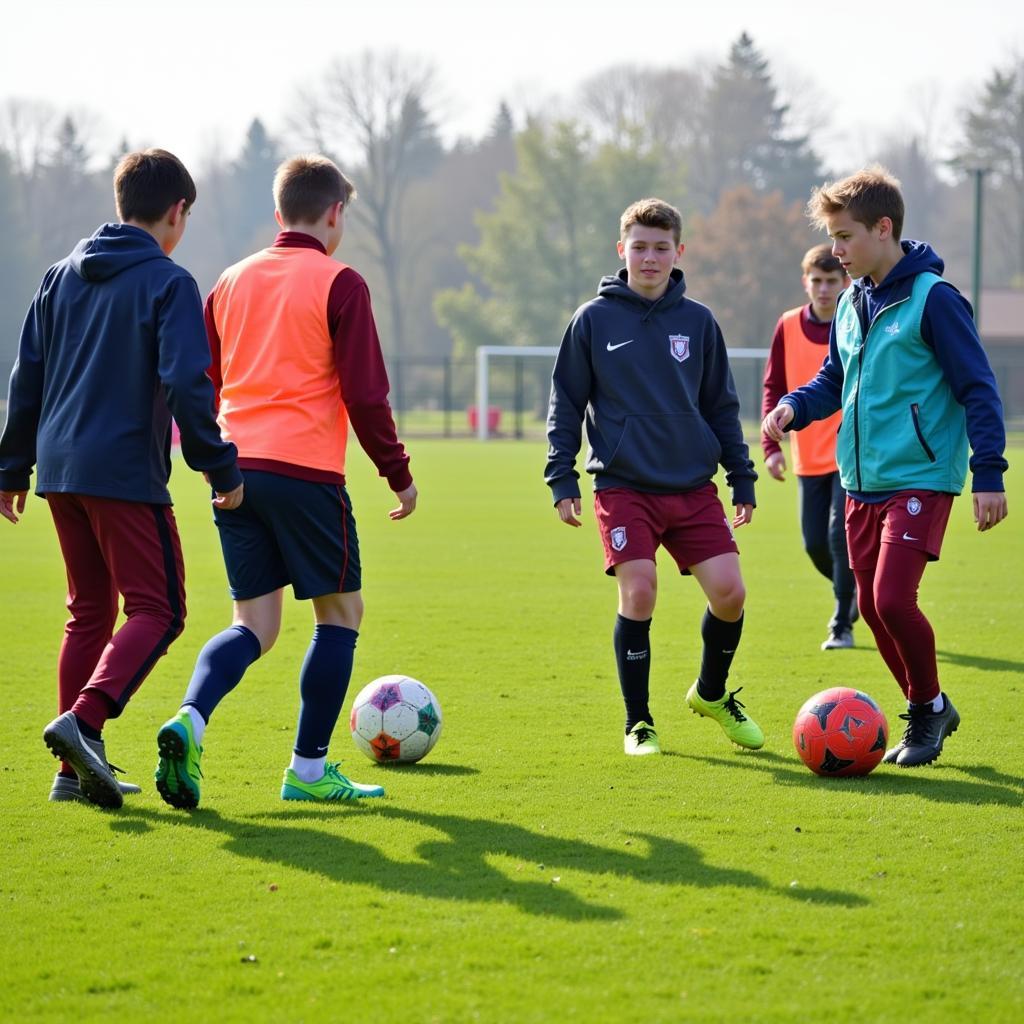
{"points": [[774, 385], [363, 377], [182, 361], [821, 396], [948, 326], [720, 408], [571, 383], [24, 404]]}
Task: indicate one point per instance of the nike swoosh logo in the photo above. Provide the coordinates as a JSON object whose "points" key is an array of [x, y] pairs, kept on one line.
{"points": [[621, 344], [907, 536], [635, 654]]}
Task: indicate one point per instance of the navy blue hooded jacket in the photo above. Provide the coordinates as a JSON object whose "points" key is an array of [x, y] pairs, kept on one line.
{"points": [[947, 328], [652, 380], [113, 344]]}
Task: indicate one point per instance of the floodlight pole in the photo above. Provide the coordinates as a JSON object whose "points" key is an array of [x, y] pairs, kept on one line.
{"points": [[979, 175]]}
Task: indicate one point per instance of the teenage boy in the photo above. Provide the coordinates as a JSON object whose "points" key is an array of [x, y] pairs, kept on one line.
{"points": [[295, 358], [646, 367], [907, 369], [798, 349], [112, 346]]}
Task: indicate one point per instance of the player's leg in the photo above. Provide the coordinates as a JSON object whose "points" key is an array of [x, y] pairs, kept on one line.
{"points": [[141, 549], [815, 503], [722, 626], [320, 546], [833, 505], [256, 578], [92, 607], [629, 524], [865, 522], [915, 525], [844, 586], [637, 582]]}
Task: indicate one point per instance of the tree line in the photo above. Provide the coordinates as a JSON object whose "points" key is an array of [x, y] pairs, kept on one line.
{"points": [[496, 240]]}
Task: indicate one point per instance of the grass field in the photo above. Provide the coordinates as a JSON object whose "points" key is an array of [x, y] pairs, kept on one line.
{"points": [[526, 871]]}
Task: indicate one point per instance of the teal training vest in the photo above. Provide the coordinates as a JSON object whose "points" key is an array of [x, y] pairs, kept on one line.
{"points": [[902, 428]]}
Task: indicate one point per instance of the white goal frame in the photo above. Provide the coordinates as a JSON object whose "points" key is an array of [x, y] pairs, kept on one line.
{"points": [[483, 391], [483, 360]]}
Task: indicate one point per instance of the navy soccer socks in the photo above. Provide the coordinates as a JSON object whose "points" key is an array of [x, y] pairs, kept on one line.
{"points": [[721, 639], [323, 684], [632, 642], [219, 668]]}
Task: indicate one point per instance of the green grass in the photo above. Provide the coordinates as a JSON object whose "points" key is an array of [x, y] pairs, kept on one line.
{"points": [[526, 871]]}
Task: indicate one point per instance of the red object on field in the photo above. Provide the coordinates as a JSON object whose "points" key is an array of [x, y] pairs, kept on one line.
{"points": [[840, 731], [493, 418], [175, 435]]}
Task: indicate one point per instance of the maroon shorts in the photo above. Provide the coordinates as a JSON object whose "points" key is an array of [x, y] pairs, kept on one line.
{"points": [[692, 527], [913, 519]]}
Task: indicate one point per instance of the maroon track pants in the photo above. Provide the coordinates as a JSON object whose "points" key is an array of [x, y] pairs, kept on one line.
{"points": [[115, 547]]}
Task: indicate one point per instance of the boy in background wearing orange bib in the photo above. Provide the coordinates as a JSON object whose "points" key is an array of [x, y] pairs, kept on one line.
{"points": [[295, 360], [799, 347]]}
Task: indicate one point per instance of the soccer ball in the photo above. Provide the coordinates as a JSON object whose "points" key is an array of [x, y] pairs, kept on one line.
{"points": [[395, 718], [841, 731]]}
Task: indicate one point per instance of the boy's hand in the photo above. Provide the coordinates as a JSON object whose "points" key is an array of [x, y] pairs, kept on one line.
{"points": [[230, 500], [12, 504], [569, 510], [776, 464], [744, 513], [777, 420], [989, 509], [408, 503]]}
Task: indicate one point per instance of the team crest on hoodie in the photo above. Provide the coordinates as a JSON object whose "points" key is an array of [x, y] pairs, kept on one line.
{"points": [[680, 345]]}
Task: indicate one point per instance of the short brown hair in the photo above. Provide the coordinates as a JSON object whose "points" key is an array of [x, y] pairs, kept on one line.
{"points": [[820, 257], [652, 213], [148, 183], [868, 196], [306, 185]]}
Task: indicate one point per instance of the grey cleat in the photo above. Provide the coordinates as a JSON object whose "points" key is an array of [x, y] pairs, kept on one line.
{"points": [[96, 781]]}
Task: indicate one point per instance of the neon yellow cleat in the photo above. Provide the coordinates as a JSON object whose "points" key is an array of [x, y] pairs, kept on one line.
{"points": [[642, 739], [740, 728]]}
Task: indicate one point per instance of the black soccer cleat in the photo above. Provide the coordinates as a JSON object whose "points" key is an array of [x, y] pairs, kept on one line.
{"points": [[925, 733]]}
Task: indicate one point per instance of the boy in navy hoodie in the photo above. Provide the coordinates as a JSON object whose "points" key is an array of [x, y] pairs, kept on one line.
{"points": [[907, 368], [113, 345], [647, 368]]}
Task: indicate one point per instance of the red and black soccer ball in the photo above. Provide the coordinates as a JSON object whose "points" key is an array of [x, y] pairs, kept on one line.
{"points": [[840, 732]]}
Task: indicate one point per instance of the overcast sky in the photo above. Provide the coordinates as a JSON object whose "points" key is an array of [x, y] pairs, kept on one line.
{"points": [[189, 76]]}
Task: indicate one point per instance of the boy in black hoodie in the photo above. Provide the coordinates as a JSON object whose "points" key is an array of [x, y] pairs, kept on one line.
{"points": [[113, 345], [648, 370]]}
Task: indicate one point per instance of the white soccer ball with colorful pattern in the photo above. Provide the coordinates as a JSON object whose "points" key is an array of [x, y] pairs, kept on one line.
{"points": [[395, 718]]}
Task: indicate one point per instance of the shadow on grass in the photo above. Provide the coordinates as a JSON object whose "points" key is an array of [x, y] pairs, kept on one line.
{"points": [[979, 662], [429, 768], [994, 788], [458, 866]]}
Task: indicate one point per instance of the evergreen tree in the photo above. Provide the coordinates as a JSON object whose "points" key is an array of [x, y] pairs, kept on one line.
{"points": [[743, 136]]}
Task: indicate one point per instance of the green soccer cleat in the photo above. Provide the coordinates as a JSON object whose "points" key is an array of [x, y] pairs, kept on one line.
{"points": [[332, 785], [740, 728], [642, 739], [178, 772]]}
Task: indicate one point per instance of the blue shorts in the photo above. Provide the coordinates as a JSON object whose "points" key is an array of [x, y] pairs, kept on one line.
{"points": [[289, 531]]}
